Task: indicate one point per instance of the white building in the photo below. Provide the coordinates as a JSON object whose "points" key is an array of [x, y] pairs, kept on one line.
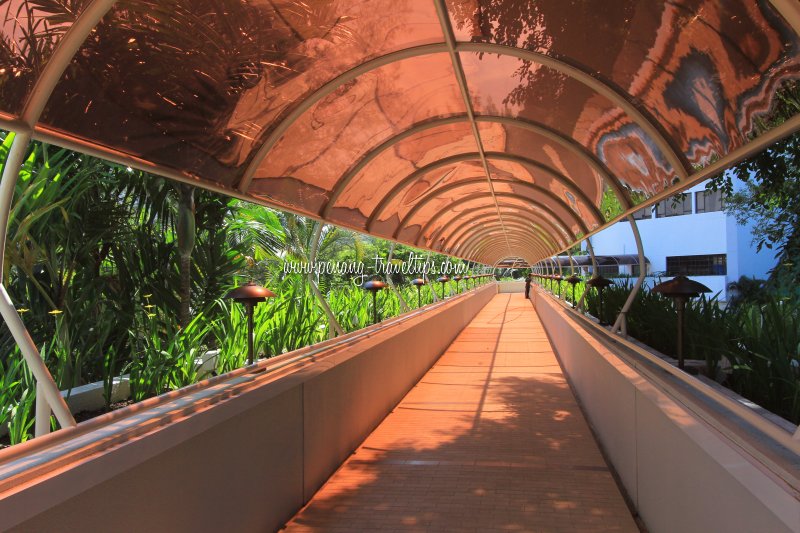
{"points": [[694, 237]]}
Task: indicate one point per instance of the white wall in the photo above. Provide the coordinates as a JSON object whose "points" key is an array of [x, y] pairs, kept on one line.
{"points": [[680, 473], [696, 234]]}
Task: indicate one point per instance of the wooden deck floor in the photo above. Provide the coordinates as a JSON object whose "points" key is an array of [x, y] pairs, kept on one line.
{"points": [[491, 439]]}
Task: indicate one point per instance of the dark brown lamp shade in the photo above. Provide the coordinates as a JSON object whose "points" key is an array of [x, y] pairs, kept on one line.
{"points": [[250, 292], [418, 282], [443, 279], [573, 279], [680, 286], [599, 282], [373, 285]]}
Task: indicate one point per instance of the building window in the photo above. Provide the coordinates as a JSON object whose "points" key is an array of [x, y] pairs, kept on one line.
{"points": [[608, 270], [708, 201], [643, 213], [697, 265], [680, 204]]}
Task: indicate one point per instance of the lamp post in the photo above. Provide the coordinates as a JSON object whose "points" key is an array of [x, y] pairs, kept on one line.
{"points": [[418, 283], [443, 280], [599, 283], [573, 280], [680, 289], [457, 279], [373, 286], [250, 295], [557, 278]]}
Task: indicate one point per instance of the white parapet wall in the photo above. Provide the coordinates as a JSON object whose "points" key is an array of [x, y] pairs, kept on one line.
{"points": [[240, 452], [511, 286], [680, 473]]}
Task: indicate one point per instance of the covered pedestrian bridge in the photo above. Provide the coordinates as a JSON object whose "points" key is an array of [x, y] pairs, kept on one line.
{"points": [[499, 132]]}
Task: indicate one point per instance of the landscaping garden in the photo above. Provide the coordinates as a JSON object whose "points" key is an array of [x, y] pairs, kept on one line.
{"points": [[115, 272], [118, 272], [751, 344]]}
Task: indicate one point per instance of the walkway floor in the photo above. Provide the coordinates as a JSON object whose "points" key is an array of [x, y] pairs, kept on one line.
{"points": [[491, 439]]}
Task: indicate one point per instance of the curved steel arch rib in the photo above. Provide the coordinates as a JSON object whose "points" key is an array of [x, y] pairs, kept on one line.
{"points": [[562, 140], [535, 224], [518, 239], [499, 251], [518, 223], [476, 238], [541, 226], [526, 224], [604, 88], [525, 250], [345, 179], [523, 184], [474, 156], [478, 215], [489, 229], [424, 229]]}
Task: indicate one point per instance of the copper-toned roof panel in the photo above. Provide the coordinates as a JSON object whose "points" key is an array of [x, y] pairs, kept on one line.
{"points": [[703, 69], [334, 133], [404, 158], [565, 158], [510, 87], [381, 116], [424, 231], [195, 85], [31, 32]]}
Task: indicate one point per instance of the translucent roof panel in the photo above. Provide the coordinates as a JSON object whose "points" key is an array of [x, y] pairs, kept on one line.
{"points": [[510, 87], [362, 193], [31, 32], [328, 138], [423, 232], [564, 191], [409, 192], [361, 112], [196, 84], [443, 200], [564, 157], [702, 69]]}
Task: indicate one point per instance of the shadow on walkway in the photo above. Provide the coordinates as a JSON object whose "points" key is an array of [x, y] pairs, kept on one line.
{"points": [[491, 439]]}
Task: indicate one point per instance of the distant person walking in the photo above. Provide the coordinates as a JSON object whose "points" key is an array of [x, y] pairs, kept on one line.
{"points": [[527, 286]]}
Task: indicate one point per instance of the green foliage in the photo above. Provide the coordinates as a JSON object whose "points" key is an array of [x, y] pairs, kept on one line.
{"points": [[766, 356], [11, 383], [164, 356], [771, 197], [22, 409], [758, 340]]}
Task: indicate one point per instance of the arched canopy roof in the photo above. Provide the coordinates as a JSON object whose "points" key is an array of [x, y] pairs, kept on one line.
{"points": [[480, 128]]}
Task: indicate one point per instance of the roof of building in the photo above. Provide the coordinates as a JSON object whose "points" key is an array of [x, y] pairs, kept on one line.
{"points": [[602, 260]]}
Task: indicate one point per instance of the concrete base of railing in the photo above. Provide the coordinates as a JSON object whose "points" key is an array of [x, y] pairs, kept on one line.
{"points": [[91, 397], [242, 452], [680, 473]]}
